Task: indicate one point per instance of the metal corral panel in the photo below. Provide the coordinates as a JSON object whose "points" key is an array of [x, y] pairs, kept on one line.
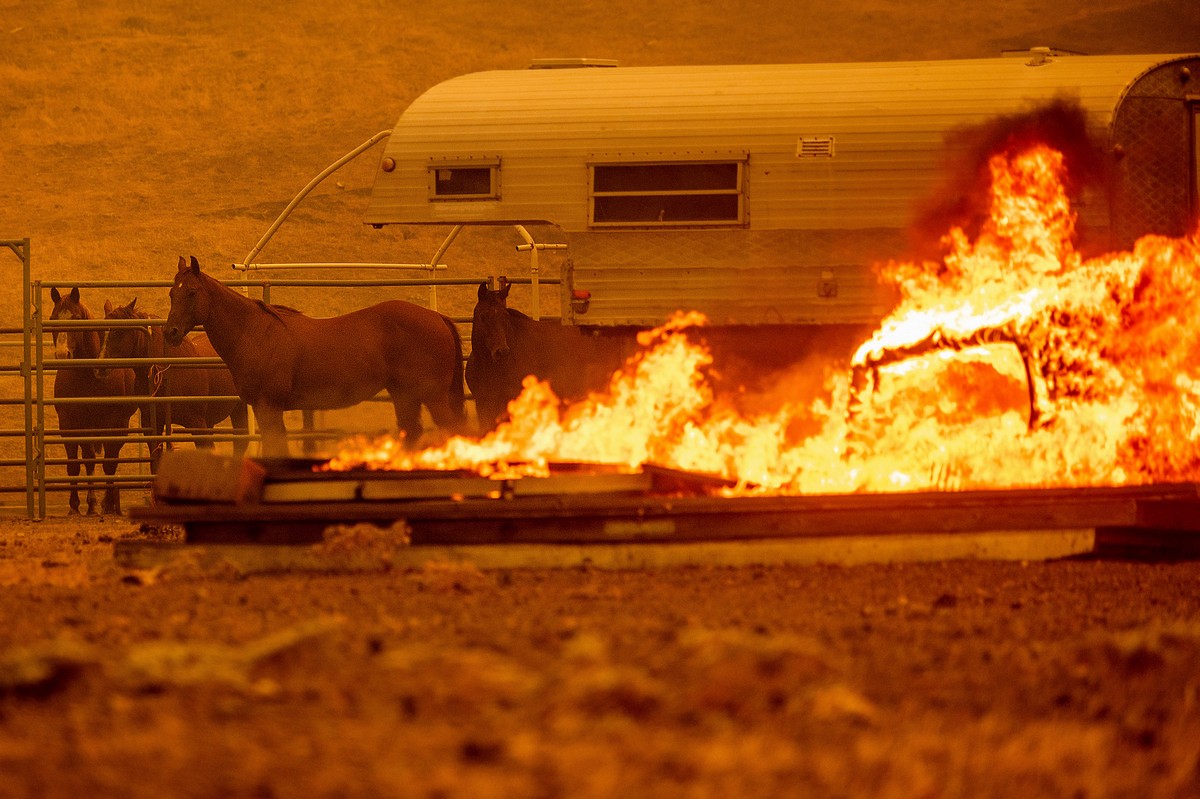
{"points": [[831, 160]]}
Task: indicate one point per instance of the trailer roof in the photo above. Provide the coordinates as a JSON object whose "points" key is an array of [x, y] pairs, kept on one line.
{"points": [[571, 113], [511, 101]]}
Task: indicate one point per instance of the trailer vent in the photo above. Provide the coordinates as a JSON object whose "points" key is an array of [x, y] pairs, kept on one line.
{"points": [[571, 63], [814, 147]]}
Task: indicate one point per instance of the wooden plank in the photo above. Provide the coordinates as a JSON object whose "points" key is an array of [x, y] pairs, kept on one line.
{"points": [[194, 475], [430, 488], [844, 550], [585, 518], [311, 491], [1170, 514], [1147, 543], [577, 484]]}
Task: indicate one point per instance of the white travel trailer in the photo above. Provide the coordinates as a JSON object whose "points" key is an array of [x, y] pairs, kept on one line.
{"points": [[762, 194]]}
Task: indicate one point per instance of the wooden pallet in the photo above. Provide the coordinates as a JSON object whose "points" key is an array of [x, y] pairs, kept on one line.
{"points": [[578, 517]]}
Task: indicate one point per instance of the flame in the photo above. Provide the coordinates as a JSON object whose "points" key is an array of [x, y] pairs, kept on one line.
{"points": [[1011, 362]]}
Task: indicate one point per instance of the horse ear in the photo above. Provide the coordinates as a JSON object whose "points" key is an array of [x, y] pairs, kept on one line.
{"points": [[504, 290], [54, 295], [108, 307], [482, 294], [195, 266], [182, 264], [75, 294]]}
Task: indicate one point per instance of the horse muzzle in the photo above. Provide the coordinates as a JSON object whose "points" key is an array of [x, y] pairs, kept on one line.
{"points": [[173, 335]]}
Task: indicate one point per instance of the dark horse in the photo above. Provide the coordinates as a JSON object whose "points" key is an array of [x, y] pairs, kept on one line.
{"points": [[175, 380], [91, 418], [283, 360], [507, 345]]}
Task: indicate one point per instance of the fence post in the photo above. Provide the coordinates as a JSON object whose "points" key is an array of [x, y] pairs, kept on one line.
{"points": [[23, 252], [39, 429]]}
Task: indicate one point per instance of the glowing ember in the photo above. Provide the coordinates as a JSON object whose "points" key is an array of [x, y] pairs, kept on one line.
{"points": [[1013, 362]]}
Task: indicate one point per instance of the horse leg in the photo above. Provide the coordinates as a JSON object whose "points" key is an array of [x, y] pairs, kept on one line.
{"points": [[489, 408], [239, 418], [89, 468], [112, 494], [274, 434], [408, 417], [202, 440], [444, 416], [72, 449]]}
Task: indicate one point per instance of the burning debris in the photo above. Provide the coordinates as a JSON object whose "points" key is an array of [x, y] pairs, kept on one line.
{"points": [[1010, 362]]}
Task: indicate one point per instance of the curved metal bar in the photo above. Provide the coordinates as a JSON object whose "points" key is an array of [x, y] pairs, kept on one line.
{"points": [[312, 184]]}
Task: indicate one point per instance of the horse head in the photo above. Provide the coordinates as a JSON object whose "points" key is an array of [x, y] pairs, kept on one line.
{"points": [[75, 343], [124, 342], [189, 304], [490, 325]]}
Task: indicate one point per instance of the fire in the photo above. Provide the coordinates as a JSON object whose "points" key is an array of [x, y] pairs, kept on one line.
{"points": [[1011, 362]]}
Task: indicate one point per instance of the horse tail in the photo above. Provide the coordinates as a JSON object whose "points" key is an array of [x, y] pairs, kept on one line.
{"points": [[458, 394]]}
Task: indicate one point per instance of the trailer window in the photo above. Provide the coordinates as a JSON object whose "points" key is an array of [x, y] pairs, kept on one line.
{"points": [[667, 194], [464, 181]]}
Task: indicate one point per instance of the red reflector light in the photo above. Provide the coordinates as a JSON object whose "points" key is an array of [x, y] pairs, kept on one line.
{"points": [[581, 294]]}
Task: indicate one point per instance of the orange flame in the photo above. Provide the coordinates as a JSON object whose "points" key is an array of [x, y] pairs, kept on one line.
{"points": [[1011, 362]]}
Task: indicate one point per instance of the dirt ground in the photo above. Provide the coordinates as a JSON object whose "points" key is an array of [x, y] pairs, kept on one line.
{"points": [[1059, 679], [133, 132]]}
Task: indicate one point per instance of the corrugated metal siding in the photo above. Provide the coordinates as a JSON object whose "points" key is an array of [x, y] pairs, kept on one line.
{"points": [[805, 216]]}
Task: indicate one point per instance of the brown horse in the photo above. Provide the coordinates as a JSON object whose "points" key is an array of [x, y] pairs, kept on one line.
{"points": [[507, 345], [175, 380], [93, 418], [283, 360]]}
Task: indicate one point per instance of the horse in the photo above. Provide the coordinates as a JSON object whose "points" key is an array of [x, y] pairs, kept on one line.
{"points": [[175, 380], [93, 418], [283, 360], [507, 345]]}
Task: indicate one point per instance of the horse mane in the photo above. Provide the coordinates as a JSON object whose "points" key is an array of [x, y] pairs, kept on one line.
{"points": [[278, 311], [123, 312]]}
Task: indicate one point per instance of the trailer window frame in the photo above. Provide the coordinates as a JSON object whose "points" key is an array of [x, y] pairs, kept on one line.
{"points": [[696, 191], [478, 179]]}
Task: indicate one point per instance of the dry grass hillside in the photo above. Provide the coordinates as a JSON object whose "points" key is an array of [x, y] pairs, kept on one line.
{"points": [[133, 132]]}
